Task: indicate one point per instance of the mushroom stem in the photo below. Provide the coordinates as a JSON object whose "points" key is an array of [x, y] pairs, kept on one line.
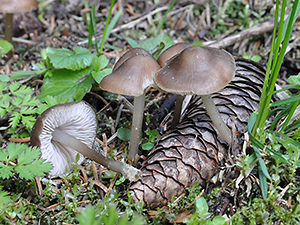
{"points": [[137, 122], [8, 27], [177, 111], [8, 31], [216, 117], [126, 170]]}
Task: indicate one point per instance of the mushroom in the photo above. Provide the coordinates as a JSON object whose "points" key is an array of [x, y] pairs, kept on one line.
{"points": [[165, 56], [14, 6], [63, 131], [199, 71], [132, 74]]}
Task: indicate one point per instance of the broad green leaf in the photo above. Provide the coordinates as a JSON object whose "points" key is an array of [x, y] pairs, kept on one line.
{"points": [[4, 78], [147, 146], [99, 75], [151, 43], [201, 206], [79, 94], [100, 62], [5, 47], [64, 83], [124, 134], [78, 59]]}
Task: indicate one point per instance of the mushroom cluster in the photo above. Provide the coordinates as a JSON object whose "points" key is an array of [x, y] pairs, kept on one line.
{"points": [[182, 69], [63, 131]]}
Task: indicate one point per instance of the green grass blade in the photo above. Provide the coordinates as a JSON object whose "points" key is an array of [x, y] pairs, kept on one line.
{"points": [[165, 16], [106, 26]]}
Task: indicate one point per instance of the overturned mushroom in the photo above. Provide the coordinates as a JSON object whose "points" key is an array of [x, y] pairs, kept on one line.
{"points": [[199, 71], [63, 131], [131, 77]]}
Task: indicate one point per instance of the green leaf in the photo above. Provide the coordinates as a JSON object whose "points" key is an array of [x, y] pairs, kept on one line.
{"points": [[28, 121], [100, 62], [36, 168], [151, 43], [25, 74], [4, 200], [263, 183], [295, 80], [4, 78], [3, 86], [124, 134], [16, 101], [3, 155], [201, 206], [29, 101], [5, 47], [132, 43], [99, 75], [28, 155], [88, 217], [14, 150], [14, 86], [27, 110], [5, 171], [64, 83], [111, 217], [79, 94], [65, 58], [14, 119], [147, 146]]}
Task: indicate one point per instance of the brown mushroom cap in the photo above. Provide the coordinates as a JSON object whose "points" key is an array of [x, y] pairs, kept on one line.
{"points": [[196, 70], [132, 77], [77, 119], [14, 6], [130, 53], [172, 51]]}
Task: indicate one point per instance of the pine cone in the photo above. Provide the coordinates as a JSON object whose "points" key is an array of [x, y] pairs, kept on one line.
{"points": [[193, 150]]}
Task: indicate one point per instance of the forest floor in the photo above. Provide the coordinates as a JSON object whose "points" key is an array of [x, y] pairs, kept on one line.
{"points": [[241, 27]]}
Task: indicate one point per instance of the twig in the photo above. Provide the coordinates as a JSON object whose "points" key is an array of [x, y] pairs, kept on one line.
{"points": [[252, 31]]}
